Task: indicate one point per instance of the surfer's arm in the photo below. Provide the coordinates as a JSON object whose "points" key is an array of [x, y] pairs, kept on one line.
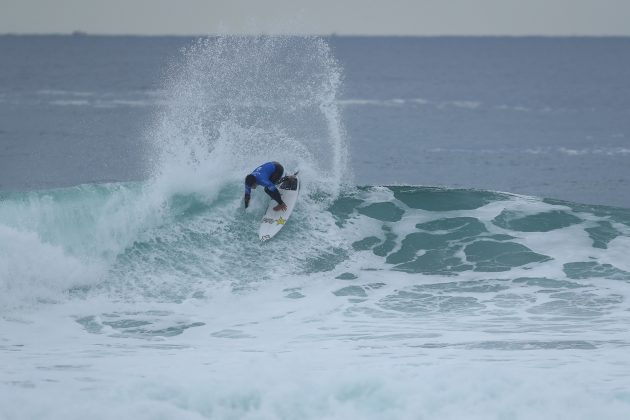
{"points": [[275, 194], [271, 189], [248, 194]]}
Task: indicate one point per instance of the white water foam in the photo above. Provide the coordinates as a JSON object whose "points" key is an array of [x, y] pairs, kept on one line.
{"points": [[32, 270]]}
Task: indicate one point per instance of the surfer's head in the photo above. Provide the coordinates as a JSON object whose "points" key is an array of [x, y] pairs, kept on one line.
{"points": [[250, 181]]}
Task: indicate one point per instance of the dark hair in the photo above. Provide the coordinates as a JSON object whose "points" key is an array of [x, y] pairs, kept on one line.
{"points": [[249, 180]]}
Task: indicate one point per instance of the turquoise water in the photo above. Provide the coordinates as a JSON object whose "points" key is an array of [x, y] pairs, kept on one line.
{"points": [[121, 241]]}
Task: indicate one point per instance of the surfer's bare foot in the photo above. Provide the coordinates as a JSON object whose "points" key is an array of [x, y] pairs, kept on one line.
{"points": [[279, 207]]}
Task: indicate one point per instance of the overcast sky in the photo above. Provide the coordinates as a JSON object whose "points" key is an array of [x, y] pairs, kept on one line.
{"points": [[344, 17]]}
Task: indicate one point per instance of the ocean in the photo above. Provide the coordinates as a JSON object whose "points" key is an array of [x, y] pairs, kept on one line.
{"points": [[458, 250]]}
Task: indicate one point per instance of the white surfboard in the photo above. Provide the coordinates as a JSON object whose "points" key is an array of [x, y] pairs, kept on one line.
{"points": [[273, 221]]}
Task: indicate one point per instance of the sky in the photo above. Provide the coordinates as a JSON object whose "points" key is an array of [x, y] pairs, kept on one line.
{"points": [[342, 17]]}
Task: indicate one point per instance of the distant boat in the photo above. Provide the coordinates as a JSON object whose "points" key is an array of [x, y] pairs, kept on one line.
{"points": [[79, 33]]}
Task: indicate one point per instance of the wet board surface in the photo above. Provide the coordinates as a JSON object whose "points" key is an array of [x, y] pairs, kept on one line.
{"points": [[273, 221]]}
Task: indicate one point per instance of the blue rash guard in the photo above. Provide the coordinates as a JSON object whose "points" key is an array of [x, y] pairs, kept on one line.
{"points": [[267, 175], [263, 174]]}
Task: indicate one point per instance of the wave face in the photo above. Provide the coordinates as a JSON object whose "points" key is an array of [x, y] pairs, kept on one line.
{"points": [[107, 236]]}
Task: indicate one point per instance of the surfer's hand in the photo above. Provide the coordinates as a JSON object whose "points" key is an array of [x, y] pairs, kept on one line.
{"points": [[279, 207], [247, 197]]}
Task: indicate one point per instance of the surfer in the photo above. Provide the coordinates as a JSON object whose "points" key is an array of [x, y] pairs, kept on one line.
{"points": [[268, 174]]}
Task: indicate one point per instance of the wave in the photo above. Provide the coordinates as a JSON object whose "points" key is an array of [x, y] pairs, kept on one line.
{"points": [[111, 238]]}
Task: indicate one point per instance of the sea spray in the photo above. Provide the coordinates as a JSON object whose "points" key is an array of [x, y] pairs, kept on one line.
{"points": [[237, 101]]}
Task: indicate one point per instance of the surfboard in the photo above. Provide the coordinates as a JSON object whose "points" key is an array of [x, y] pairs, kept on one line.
{"points": [[273, 221]]}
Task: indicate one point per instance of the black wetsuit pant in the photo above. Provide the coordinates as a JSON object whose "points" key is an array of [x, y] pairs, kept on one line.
{"points": [[275, 178]]}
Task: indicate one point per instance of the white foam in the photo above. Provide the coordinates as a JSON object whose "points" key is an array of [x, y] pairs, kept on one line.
{"points": [[394, 102], [58, 92], [70, 102], [465, 104], [32, 270], [617, 253], [262, 355]]}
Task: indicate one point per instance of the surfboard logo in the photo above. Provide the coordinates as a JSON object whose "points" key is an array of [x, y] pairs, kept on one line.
{"points": [[273, 221]]}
